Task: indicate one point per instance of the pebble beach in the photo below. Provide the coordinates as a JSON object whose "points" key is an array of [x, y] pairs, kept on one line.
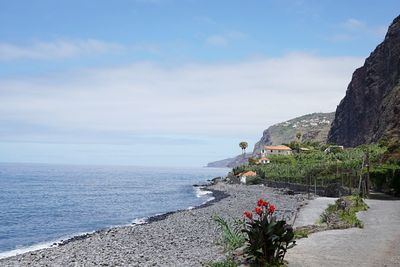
{"points": [[183, 238]]}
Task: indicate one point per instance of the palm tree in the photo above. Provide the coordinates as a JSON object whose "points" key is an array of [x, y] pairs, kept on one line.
{"points": [[298, 136], [243, 146]]}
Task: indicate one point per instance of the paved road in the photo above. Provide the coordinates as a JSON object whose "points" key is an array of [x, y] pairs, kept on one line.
{"points": [[378, 244], [310, 214]]}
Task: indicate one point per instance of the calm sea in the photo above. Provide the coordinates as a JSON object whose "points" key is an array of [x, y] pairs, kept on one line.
{"points": [[40, 204]]}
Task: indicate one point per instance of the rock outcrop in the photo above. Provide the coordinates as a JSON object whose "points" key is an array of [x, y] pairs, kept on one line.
{"points": [[370, 110]]}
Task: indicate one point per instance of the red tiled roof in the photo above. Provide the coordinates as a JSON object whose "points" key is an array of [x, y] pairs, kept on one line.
{"points": [[249, 173]]}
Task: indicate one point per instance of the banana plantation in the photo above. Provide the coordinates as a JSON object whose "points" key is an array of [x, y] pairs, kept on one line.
{"points": [[347, 167]]}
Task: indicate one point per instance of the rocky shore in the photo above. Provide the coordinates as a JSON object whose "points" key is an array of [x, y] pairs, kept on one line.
{"points": [[183, 238]]}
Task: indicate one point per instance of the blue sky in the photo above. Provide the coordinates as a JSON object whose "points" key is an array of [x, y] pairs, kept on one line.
{"points": [[168, 82]]}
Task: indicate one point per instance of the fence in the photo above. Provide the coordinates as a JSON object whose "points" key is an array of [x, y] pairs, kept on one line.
{"points": [[323, 187]]}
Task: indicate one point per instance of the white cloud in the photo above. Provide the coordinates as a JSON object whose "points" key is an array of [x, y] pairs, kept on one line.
{"points": [[235, 99], [57, 49], [224, 39], [217, 40], [354, 24], [204, 20], [352, 29], [341, 37]]}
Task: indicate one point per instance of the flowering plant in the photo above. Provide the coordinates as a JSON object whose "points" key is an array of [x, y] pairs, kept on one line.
{"points": [[268, 239]]}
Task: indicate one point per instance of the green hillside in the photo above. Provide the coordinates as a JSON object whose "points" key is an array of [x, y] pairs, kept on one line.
{"points": [[313, 127]]}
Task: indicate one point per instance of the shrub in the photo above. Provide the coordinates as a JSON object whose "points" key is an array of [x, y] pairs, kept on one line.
{"points": [[254, 180], [386, 177], [268, 239], [252, 161], [342, 214], [232, 236], [378, 178], [225, 263], [395, 181], [301, 233]]}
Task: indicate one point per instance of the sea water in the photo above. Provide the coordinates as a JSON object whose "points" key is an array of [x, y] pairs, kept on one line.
{"points": [[41, 204]]}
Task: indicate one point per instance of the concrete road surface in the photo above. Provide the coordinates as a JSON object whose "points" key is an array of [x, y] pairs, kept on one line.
{"points": [[377, 244], [310, 214]]}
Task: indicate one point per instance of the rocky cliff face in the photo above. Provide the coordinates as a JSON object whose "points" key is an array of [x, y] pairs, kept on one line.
{"points": [[371, 108]]}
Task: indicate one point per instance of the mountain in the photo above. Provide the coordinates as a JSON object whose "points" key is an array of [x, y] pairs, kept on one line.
{"points": [[230, 162], [370, 110], [313, 127]]}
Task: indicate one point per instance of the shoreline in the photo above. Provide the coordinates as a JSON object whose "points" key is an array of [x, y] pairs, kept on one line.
{"points": [[182, 237], [218, 196], [62, 241]]}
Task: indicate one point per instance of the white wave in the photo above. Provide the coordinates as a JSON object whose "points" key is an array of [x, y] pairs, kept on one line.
{"points": [[142, 220], [208, 200], [200, 192], [22, 250], [39, 246]]}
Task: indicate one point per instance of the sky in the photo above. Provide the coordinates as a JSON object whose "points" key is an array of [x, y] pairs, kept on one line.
{"points": [[171, 82]]}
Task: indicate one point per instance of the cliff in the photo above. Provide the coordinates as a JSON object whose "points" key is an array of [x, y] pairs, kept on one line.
{"points": [[313, 127], [370, 110]]}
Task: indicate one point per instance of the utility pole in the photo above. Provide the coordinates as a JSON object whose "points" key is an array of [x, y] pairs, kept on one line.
{"points": [[367, 165], [315, 185], [361, 175]]}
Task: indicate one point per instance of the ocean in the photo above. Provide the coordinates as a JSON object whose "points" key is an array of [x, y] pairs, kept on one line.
{"points": [[41, 204]]}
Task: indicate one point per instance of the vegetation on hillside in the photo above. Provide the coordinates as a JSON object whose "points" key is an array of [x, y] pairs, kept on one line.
{"points": [[311, 127], [317, 166]]}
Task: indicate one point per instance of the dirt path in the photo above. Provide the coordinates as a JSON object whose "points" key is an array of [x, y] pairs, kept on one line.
{"points": [[378, 244]]}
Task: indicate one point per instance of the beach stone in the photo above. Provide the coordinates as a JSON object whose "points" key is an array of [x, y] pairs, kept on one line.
{"points": [[183, 238]]}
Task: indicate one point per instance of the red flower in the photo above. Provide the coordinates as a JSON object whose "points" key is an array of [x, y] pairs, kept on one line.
{"points": [[258, 210], [271, 209], [261, 202], [248, 215]]}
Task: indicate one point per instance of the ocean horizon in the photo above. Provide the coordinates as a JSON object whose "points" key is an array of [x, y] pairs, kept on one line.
{"points": [[42, 204]]}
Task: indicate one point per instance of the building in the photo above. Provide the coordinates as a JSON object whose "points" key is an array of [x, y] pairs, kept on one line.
{"points": [[263, 160], [334, 149], [276, 150], [245, 175], [304, 150]]}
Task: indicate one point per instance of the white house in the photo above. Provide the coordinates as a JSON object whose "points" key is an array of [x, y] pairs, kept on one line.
{"points": [[333, 148], [276, 150], [244, 175]]}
